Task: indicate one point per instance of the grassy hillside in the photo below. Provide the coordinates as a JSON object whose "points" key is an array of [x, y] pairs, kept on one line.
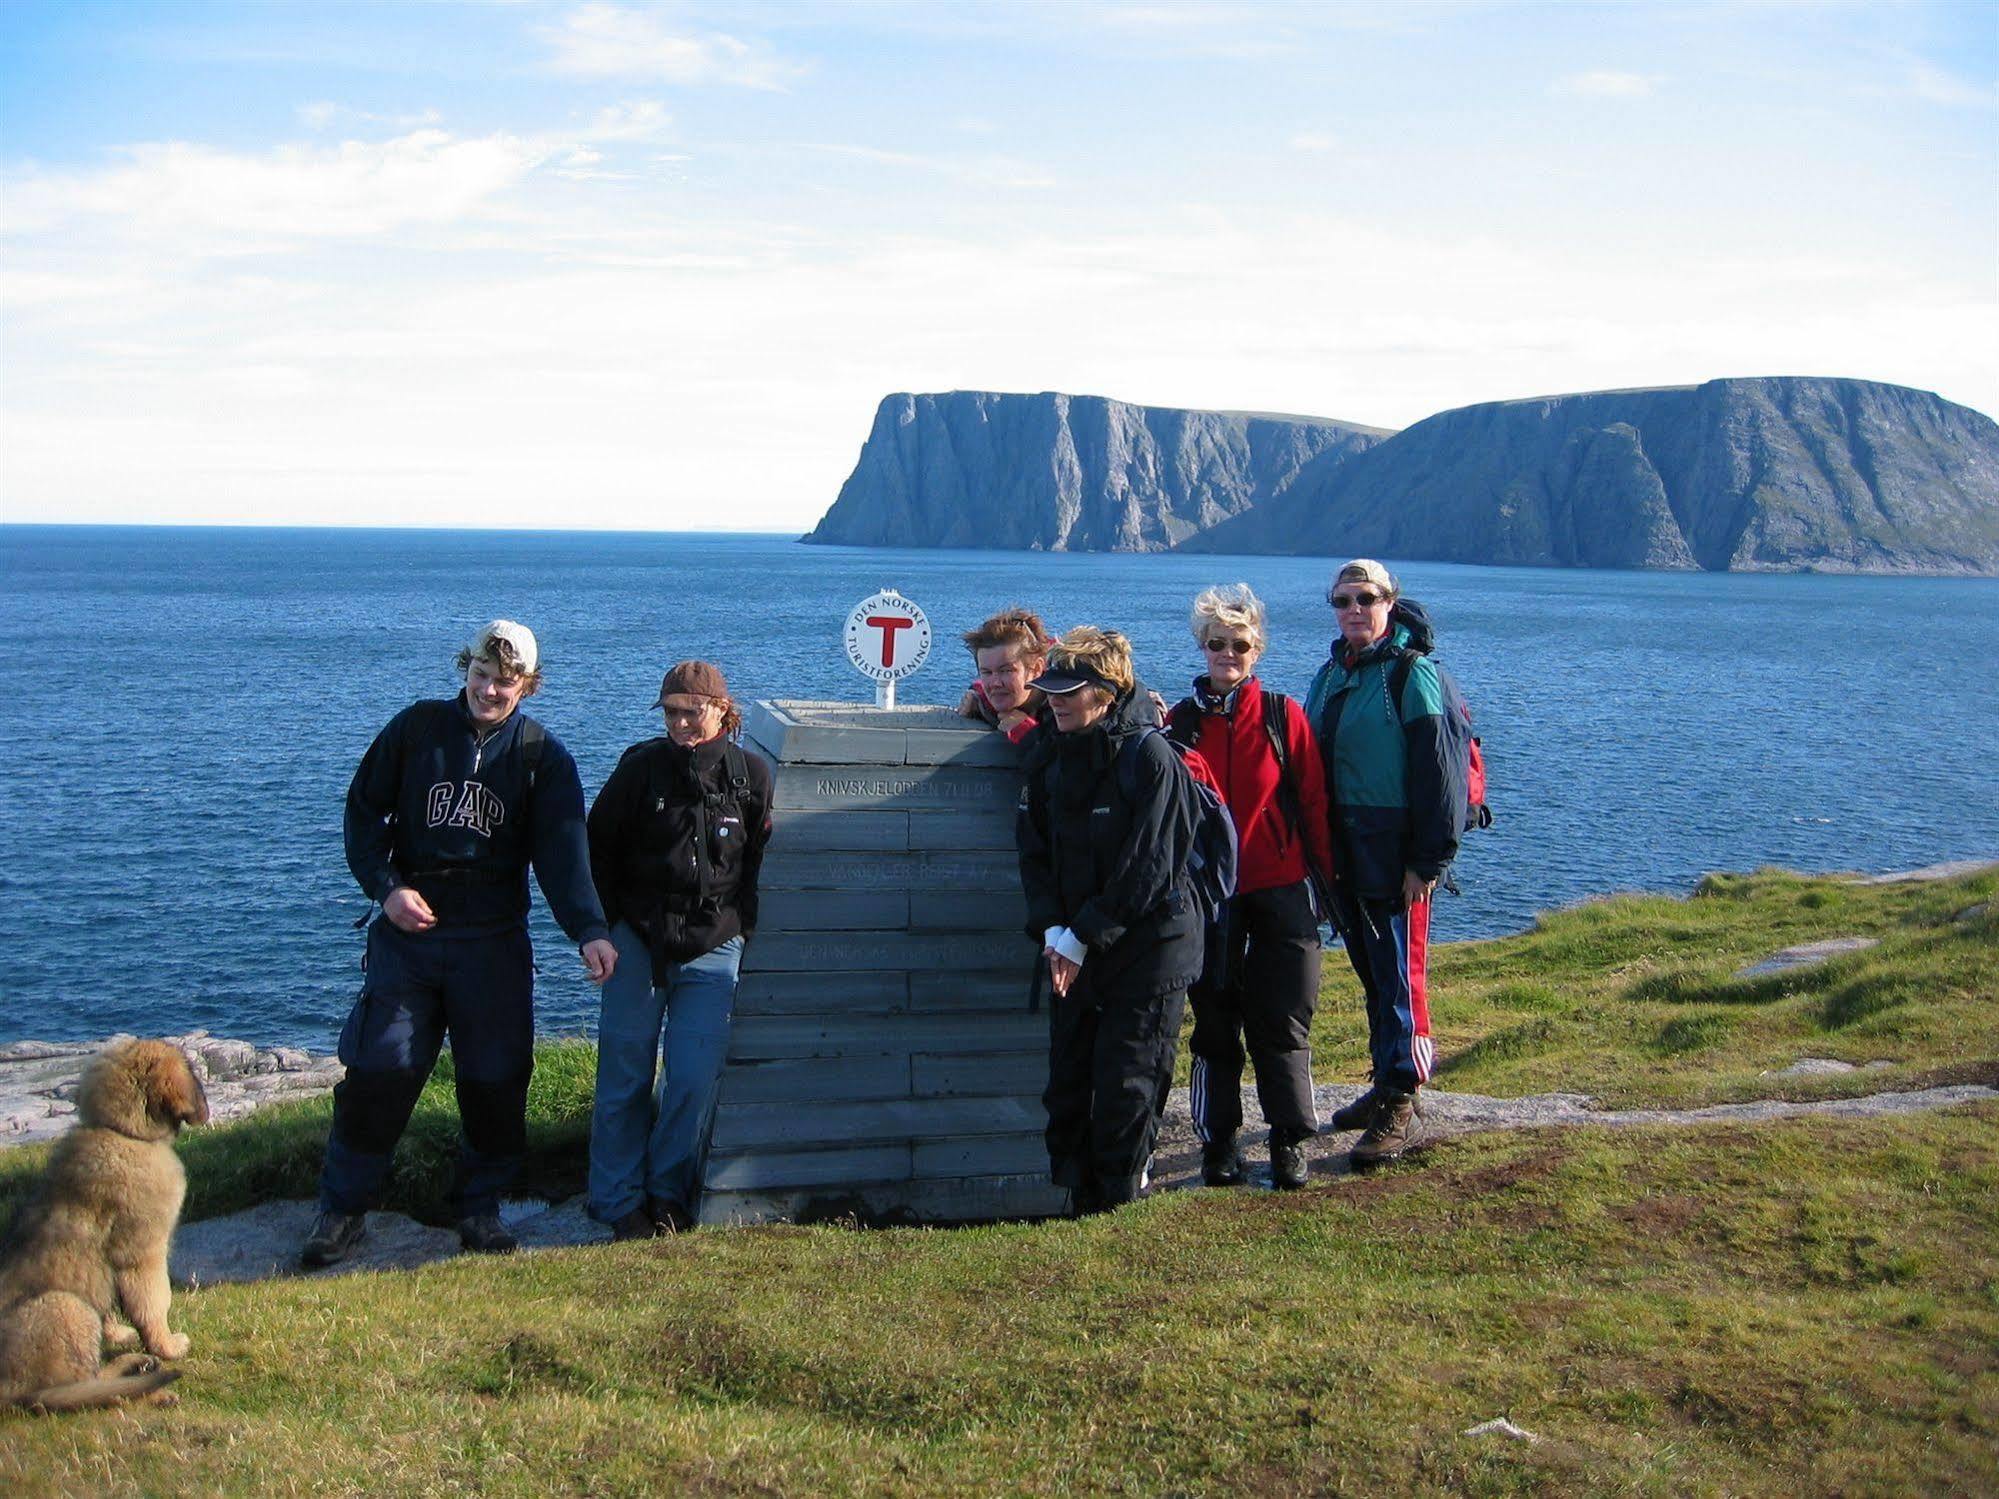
{"points": [[1803, 1307]]}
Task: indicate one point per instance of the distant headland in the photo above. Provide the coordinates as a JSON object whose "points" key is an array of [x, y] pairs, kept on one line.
{"points": [[1780, 474]]}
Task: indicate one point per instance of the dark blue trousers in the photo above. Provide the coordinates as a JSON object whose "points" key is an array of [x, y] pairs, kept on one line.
{"points": [[479, 991], [1389, 947]]}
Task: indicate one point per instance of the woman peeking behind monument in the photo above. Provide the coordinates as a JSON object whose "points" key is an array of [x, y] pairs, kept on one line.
{"points": [[1107, 821], [676, 839], [1009, 651]]}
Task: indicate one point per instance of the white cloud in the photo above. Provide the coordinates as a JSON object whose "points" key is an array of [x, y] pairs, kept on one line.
{"points": [[606, 41], [182, 192], [986, 171], [640, 120], [1314, 140], [1603, 83], [324, 114], [633, 365], [1933, 85]]}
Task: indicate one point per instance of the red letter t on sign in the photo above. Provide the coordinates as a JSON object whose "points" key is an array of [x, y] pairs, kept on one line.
{"points": [[888, 624]]}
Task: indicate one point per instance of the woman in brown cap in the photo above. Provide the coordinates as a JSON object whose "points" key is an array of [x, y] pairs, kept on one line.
{"points": [[676, 837]]}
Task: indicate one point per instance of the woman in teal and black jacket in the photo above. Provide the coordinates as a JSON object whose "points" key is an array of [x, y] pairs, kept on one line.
{"points": [[1397, 809]]}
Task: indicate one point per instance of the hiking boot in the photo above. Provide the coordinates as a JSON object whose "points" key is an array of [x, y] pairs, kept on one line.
{"points": [[1221, 1164], [1287, 1165], [332, 1239], [1360, 1113], [637, 1224], [668, 1217], [1396, 1127], [484, 1233]]}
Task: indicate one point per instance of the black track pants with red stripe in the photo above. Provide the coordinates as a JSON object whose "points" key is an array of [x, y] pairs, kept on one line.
{"points": [[1390, 952]]}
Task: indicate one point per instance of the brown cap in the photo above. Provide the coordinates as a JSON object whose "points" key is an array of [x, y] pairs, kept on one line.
{"points": [[693, 679]]}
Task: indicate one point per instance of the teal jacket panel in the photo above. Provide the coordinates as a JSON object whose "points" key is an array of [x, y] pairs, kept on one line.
{"points": [[1387, 777]]}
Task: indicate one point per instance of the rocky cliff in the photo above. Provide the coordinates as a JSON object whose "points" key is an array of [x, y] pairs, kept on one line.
{"points": [[1786, 474], [1054, 472]]}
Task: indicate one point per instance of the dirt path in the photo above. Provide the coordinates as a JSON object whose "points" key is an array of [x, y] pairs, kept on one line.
{"points": [[263, 1241]]}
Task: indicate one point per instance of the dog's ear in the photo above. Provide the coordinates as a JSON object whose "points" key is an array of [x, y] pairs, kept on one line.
{"points": [[174, 1095]]}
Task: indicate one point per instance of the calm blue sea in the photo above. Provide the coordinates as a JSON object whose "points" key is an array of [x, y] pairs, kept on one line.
{"points": [[184, 707]]}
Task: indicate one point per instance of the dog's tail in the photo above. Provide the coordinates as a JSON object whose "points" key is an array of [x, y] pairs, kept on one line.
{"points": [[90, 1394]]}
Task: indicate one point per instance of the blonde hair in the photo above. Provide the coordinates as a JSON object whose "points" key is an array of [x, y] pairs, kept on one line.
{"points": [[1105, 652], [1233, 606]]}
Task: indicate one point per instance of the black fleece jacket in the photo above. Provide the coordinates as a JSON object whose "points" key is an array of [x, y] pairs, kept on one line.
{"points": [[673, 853], [1110, 868], [447, 808]]}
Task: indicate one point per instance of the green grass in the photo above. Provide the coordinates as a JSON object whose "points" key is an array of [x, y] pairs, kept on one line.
{"points": [[1806, 1307], [1809, 1306], [1634, 1001]]}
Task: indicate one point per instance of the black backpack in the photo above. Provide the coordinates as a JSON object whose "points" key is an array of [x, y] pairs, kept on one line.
{"points": [[1211, 863]]}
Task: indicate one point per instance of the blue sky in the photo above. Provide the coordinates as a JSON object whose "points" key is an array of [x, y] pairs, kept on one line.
{"points": [[635, 265]]}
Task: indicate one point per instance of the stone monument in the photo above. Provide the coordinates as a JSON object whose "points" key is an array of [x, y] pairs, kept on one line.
{"points": [[884, 1064]]}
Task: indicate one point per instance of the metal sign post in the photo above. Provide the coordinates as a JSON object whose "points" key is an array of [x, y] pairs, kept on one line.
{"points": [[888, 637]]}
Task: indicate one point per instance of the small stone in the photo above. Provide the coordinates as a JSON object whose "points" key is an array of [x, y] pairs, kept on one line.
{"points": [[1815, 1067], [1501, 1427], [1973, 913], [290, 1059], [228, 1058]]}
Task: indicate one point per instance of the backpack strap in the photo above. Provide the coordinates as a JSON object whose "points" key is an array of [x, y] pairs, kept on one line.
{"points": [[533, 737], [1183, 722], [1276, 724], [1276, 721], [1398, 676]]}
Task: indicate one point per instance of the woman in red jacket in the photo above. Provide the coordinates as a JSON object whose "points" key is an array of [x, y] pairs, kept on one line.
{"points": [[1261, 984]]}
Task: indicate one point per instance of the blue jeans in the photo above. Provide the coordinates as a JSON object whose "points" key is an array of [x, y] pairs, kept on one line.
{"points": [[649, 1138]]}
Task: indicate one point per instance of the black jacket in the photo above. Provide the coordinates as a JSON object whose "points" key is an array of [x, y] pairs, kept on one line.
{"points": [[448, 809], [1111, 868], [675, 852]]}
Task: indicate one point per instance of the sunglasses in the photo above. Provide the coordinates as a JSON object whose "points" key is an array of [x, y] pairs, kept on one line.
{"points": [[1358, 600], [1219, 647]]}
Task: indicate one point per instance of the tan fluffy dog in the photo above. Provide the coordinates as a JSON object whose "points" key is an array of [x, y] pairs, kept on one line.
{"points": [[96, 1237]]}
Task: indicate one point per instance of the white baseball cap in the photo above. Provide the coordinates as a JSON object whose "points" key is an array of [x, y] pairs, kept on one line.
{"points": [[1367, 570], [519, 639]]}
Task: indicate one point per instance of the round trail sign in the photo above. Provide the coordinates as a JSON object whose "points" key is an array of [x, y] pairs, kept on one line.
{"points": [[888, 637]]}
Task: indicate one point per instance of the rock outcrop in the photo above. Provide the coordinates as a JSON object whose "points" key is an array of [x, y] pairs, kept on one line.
{"points": [[1053, 472], [1762, 475], [38, 1079]]}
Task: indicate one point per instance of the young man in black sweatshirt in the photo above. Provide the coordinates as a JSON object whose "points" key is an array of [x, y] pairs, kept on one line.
{"points": [[452, 803]]}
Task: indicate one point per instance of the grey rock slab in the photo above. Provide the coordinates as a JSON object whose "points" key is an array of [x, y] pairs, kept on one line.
{"points": [[1816, 1067], [1808, 954], [38, 1079], [263, 1242], [1946, 871], [39, 1051]]}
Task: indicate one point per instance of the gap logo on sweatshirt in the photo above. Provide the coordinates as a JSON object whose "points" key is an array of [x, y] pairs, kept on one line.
{"points": [[464, 804]]}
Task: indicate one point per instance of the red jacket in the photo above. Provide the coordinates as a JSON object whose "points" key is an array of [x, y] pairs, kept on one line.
{"points": [[1238, 753]]}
